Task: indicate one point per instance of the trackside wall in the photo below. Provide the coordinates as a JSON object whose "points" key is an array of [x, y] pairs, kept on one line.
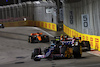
{"points": [[74, 12], [36, 13], [93, 39], [47, 25]]}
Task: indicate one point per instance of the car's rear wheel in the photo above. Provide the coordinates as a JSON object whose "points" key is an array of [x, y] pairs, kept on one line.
{"points": [[47, 38], [77, 51], [30, 39], [54, 57], [37, 51], [2, 26]]}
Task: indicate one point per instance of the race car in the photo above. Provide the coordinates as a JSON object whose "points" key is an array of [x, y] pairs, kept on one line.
{"points": [[37, 37], [85, 45], [1, 26], [58, 50]]}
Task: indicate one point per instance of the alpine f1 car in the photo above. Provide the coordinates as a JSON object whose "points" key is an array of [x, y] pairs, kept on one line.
{"points": [[38, 37], [1, 26], [59, 49]]}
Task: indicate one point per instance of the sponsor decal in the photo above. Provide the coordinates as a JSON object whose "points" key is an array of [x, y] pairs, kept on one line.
{"points": [[68, 31], [66, 42], [42, 24], [35, 23], [83, 38], [80, 35], [72, 33], [53, 27], [96, 43], [65, 29], [21, 23], [87, 38], [49, 25], [29, 22], [38, 24], [76, 34], [11, 24], [91, 41], [46, 25]]}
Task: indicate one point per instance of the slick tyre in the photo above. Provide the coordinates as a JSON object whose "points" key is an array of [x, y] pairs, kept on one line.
{"points": [[54, 57], [47, 38], [37, 51], [30, 40], [76, 52], [86, 44]]}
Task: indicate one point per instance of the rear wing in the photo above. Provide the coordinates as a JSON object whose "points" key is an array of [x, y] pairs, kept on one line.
{"points": [[66, 42], [76, 38], [71, 41]]}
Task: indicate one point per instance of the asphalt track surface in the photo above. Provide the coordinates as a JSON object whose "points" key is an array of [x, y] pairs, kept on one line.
{"points": [[15, 51]]}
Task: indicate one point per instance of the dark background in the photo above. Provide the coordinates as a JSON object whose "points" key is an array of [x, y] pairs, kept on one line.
{"points": [[3, 2]]}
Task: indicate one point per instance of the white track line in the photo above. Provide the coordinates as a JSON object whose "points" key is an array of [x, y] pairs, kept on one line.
{"points": [[93, 54]]}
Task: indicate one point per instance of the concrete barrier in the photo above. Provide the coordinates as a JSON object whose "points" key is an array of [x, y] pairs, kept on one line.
{"points": [[47, 25]]}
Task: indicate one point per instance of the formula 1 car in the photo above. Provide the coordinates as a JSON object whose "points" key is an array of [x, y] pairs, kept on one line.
{"points": [[38, 37], [1, 26], [66, 38], [85, 44], [58, 49]]}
